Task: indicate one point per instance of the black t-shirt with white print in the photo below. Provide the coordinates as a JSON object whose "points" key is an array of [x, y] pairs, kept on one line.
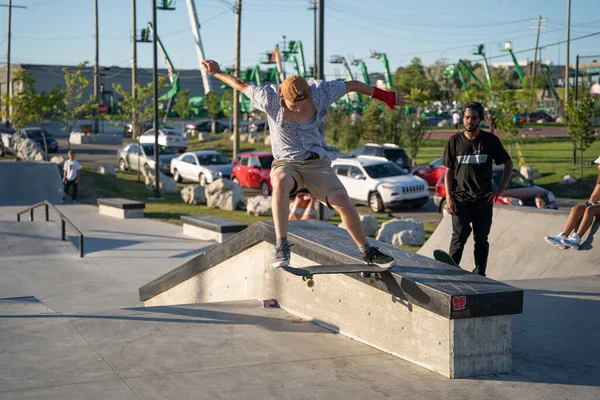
{"points": [[471, 161]]}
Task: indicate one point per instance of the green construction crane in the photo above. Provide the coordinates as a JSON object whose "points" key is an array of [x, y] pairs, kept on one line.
{"points": [[295, 54], [173, 76], [479, 50], [466, 68], [167, 5], [386, 68], [342, 60], [363, 68], [550, 82], [451, 71], [508, 48]]}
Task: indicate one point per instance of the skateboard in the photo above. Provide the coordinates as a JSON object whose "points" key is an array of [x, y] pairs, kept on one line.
{"points": [[442, 256], [307, 273]]}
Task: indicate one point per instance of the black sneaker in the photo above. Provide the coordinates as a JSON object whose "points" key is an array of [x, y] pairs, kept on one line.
{"points": [[374, 256], [477, 272], [282, 256]]}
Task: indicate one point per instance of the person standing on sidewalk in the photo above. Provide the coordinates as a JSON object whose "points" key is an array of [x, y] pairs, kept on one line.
{"points": [[296, 115], [469, 189], [71, 175]]}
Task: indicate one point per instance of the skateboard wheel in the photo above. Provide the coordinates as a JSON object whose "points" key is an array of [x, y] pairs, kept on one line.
{"points": [[310, 283], [371, 281], [304, 278], [365, 274]]}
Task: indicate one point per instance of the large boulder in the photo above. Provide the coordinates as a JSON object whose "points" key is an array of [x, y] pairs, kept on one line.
{"points": [[167, 184], [58, 160], [369, 224], [253, 138], [106, 170], [259, 206], [530, 173], [193, 194], [7, 139], [415, 228], [27, 149], [243, 137], [568, 180], [225, 194], [268, 139]]}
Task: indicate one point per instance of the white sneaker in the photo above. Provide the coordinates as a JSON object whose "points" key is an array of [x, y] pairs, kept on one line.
{"points": [[557, 240], [573, 241]]}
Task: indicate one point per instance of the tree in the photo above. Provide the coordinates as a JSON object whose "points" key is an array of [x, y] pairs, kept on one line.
{"points": [[413, 76], [182, 105], [138, 109], [213, 108], [335, 124], [579, 122], [28, 106], [74, 108], [507, 108], [414, 130]]}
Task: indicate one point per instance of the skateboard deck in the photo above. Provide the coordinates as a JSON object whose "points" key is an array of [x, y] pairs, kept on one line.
{"points": [[307, 272], [442, 256]]}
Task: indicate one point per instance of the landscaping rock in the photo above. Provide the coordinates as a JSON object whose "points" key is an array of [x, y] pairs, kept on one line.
{"points": [[415, 236], [268, 139], [7, 139], [27, 149], [530, 173], [59, 160], [254, 138], [259, 206], [369, 223], [567, 180], [194, 194], [106, 170], [226, 195], [167, 184]]}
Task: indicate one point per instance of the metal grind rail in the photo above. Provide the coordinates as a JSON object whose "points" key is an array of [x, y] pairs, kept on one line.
{"points": [[64, 221]]}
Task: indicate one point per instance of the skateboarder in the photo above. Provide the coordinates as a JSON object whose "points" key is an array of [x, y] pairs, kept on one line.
{"points": [[469, 190], [586, 212], [296, 115]]}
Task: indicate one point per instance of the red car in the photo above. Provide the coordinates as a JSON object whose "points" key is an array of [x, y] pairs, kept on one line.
{"points": [[519, 192], [431, 172], [253, 170]]}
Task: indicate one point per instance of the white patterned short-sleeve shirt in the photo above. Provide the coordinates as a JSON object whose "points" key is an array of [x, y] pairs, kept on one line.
{"points": [[289, 140]]}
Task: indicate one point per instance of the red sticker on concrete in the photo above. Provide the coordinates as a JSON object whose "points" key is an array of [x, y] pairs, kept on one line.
{"points": [[459, 303]]}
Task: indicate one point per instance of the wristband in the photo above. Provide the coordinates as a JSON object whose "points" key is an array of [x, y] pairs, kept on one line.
{"points": [[389, 98]]}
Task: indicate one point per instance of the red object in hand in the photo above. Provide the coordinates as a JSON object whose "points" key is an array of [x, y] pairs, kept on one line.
{"points": [[389, 98]]}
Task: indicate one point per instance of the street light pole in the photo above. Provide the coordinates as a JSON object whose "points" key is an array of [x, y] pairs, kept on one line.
{"points": [[236, 94], [96, 67], [155, 89]]}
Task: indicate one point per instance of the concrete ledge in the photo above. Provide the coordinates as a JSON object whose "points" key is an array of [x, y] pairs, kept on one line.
{"points": [[207, 227], [121, 208], [442, 318]]}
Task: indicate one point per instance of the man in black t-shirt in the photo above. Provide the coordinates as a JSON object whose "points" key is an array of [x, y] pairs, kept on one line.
{"points": [[469, 190]]}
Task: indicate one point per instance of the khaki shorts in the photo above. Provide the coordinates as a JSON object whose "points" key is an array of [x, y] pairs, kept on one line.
{"points": [[315, 175]]}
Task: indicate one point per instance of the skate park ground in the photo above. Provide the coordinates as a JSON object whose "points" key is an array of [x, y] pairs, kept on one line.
{"points": [[74, 328]]}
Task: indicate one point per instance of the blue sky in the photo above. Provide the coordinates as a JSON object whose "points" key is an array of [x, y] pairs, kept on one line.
{"points": [[61, 31]]}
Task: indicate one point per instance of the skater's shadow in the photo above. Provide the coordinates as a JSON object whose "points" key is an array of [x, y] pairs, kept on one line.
{"points": [[587, 243]]}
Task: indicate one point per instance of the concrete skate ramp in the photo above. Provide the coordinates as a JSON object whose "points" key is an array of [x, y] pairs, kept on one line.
{"points": [[517, 246], [27, 238], [29, 182]]}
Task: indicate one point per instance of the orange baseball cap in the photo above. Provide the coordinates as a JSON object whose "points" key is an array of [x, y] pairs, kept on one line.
{"points": [[294, 89]]}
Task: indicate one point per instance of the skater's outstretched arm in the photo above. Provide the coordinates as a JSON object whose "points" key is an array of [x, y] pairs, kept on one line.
{"points": [[390, 98], [212, 67]]}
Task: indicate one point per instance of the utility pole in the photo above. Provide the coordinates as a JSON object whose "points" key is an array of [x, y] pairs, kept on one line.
{"points": [[568, 44], [8, 39], [155, 89], [96, 67], [314, 8], [321, 58], [236, 94], [134, 63], [535, 59]]}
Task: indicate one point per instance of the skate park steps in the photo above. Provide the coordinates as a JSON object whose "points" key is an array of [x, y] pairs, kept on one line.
{"points": [[436, 316], [518, 249], [29, 182]]}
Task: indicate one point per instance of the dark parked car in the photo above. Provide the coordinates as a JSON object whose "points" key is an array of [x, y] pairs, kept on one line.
{"points": [[519, 192], [391, 152], [537, 116], [35, 134], [205, 126]]}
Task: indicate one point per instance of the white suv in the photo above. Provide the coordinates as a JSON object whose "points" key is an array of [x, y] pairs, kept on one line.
{"points": [[380, 183]]}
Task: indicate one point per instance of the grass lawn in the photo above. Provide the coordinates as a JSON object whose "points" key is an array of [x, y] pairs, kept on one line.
{"points": [[552, 157]]}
